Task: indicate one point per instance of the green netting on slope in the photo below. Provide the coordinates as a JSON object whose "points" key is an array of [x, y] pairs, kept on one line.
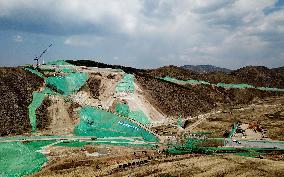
{"points": [[126, 84], [67, 84], [38, 145], [99, 123], [191, 81], [17, 160], [170, 79], [58, 62], [201, 146], [122, 109], [191, 146], [239, 86], [38, 98], [138, 115], [270, 89], [234, 129], [223, 85]]}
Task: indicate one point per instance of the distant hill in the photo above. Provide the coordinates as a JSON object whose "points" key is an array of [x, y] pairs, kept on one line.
{"points": [[173, 71], [279, 71], [260, 76], [205, 68]]}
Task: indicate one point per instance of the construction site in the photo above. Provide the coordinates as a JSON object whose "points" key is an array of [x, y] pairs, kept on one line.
{"points": [[84, 118]]}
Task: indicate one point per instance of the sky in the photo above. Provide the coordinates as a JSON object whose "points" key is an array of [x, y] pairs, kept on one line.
{"points": [[144, 33]]}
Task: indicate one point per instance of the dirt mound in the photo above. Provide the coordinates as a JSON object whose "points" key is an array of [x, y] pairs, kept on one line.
{"points": [[173, 99], [16, 88], [260, 76]]}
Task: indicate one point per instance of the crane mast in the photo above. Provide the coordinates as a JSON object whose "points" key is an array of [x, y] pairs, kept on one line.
{"points": [[43, 52]]}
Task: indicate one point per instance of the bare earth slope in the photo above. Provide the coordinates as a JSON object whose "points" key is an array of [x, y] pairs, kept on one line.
{"points": [[173, 99], [16, 88]]}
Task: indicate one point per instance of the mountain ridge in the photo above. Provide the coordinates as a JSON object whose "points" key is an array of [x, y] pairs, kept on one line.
{"points": [[205, 68]]}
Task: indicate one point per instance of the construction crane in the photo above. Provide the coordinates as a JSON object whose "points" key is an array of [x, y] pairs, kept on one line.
{"points": [[38, 57]]}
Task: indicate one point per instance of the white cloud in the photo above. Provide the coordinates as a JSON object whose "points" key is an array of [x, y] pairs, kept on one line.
{"points": [[223, 32], [18, 39]]}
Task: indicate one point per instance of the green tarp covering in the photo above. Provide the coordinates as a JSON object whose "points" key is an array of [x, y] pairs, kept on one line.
{"points": [[58, 62], [126, 84], [192, 82], [99, 123], [138, 115], [122, 109], [38, 97], [17, 159], [68, 84], [239, 86], [270, 89], [223, 85]]}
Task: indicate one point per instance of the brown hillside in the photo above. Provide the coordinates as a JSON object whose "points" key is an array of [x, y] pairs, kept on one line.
{"points": [[259, 76], [16, 88], [173, 99], [220, 77], [173, 71]]}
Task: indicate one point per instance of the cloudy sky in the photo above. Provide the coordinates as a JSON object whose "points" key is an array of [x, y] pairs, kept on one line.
{"points": [[144, 33]]}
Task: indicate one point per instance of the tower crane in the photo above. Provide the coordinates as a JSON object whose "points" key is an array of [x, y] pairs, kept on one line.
{"points": [[38, 57]]}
